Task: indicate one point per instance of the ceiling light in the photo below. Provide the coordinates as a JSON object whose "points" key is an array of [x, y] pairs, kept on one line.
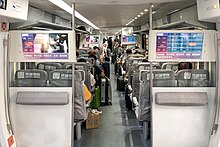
{"points": [[67, 8], [139, 15], [154, 12], [135, 18], [145, 10], [142, 13], [152, 6], [132, 19]]}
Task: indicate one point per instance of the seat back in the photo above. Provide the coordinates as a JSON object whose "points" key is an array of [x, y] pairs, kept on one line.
{"points": [[30, 78], [161, 78], [86, 68], [170, 66], [47, 66], [135, 80], [193, 78], [63, 78], [81, 51], [83, 55], [132, 64]]}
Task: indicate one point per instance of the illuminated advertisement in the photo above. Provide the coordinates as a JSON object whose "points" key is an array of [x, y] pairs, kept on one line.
{"points": [[45, 46], [92, 39], [179, 45], [129, 40]]}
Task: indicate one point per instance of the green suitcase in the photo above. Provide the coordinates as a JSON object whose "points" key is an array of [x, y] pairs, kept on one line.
{"points": [[96, 98]]}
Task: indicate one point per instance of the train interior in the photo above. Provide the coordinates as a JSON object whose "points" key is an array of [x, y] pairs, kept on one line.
{"points": [[103, 73]]}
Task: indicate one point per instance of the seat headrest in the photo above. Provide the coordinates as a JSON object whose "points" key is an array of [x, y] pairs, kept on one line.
{"points": [[31, 74]]}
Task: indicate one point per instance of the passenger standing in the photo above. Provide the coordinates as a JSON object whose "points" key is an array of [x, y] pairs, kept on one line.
{"points": [[110, 45]]}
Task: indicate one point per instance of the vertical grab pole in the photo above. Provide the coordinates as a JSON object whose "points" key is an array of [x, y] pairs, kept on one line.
{"points": [[145, 123], [215, 124], [73, 73]]}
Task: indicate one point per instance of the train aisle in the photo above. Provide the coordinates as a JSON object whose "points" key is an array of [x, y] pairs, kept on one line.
{"points": [[119, 128]]}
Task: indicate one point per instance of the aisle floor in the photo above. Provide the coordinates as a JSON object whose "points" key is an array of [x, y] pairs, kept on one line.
{"points": [[119, 128]]}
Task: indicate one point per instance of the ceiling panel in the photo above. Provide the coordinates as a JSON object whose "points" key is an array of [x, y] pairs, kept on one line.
{"points": [[164, 9], [113, 14], [120, 2], [110, 15]]}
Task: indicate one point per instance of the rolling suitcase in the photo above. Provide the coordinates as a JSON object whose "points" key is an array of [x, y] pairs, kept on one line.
{"points": [[103, 90], [96, 98], [120, 84], [109, 92], [106, 91]]}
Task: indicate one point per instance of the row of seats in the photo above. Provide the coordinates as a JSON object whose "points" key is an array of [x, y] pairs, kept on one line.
{"points": [[40, 78], [163, 78], [50, 68]]}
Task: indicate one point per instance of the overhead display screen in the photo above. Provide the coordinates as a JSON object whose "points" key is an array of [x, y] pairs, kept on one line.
{"points": [[179, 45], [45, 46], [92, 39], [129, 40]]}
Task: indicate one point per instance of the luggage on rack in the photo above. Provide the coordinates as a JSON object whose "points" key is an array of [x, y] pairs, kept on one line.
{"points": [[120, 84], [96, 98], [106, 91], [106, 67]]}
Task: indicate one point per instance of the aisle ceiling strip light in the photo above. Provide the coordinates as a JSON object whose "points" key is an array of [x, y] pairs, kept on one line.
{"points": [[139, 15], [67, 8]]}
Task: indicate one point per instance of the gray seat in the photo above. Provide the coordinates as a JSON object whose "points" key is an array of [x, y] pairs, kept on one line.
{"points": [[131, 64], [49, 66], [83, 55], [161, 78], [63, 78], [170, 66], [193, 78], [86, 68], [135, 79], [30, 78], [81, 51]]}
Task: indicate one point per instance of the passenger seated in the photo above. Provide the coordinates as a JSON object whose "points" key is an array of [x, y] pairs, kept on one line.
{"points": [[97, 67]]}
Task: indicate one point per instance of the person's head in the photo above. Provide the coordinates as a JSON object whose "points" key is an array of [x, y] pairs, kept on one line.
{"points": [[128, 51], [94, 57], [107, 59], [184, 65], [104, 40], [96, 47]]}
